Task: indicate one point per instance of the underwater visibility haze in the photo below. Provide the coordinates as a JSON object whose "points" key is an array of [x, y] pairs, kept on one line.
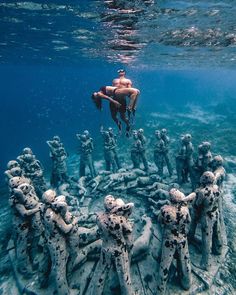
{"points": [[181, 55]]}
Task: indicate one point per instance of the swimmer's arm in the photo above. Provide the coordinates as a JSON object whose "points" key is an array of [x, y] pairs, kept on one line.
{"points": [[107, 97], [129, 83], [24, 212]]}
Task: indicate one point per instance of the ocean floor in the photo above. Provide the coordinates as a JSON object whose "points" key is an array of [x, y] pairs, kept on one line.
{"points": [[214, 124]]}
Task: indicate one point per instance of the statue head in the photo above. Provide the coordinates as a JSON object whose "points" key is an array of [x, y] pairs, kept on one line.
{"points": [[12, 164], [110, 130], [14, 182], [187, 138], [121, 208], [207, 178], [25, 188], [135, 134], [16, 171], [27, 150], [206, 146], [158, 134], [29, 158], [49, 196], [109, 203], [217, 161], [163, 131], [176, 196], [82, 137], [56, 138], [140, 131], [86, 133], [60, 206]]}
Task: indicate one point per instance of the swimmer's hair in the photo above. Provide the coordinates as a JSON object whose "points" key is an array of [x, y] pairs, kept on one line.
{"points": [[97, 100]]}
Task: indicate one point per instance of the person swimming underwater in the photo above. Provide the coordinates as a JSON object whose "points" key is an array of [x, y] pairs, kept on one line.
{"points": [[117, 98]]}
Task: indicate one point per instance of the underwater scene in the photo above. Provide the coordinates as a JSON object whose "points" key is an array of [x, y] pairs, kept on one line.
{"points": [[118, 158]]}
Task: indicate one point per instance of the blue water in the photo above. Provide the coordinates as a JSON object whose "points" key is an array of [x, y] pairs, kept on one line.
{"points": [[53, 55]]}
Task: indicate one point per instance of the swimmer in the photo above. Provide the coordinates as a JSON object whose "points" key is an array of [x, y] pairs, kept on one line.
{"points": [[122, 81], [117, 98]]}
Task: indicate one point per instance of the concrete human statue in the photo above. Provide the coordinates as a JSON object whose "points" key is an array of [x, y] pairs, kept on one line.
{"points": [[116, 237], [175, 219], [202, 162], [33, 170], [166, 140], [86, 149], [138, 152], [23, 208], [58, 155], [206, 212], [25, 192], [184, 159], [110, 154], [113, 143], [141, 136], [204, 156], [220, 175], [218, 170], [158, 153], [77, 235], [56, 230], [10, 166]]}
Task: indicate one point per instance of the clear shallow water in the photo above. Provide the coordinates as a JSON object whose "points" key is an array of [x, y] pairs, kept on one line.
{"points": [[160, 33]]}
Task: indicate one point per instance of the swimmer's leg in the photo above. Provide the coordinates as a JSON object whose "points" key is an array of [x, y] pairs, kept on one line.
{"points": [[125, 119], [133, 100], [114, 112]]}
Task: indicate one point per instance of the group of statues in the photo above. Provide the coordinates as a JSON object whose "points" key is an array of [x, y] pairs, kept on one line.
{"points": [[53, 236]]}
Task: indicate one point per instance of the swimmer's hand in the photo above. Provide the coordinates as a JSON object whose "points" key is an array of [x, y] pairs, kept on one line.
{"points": [[116, 103]]}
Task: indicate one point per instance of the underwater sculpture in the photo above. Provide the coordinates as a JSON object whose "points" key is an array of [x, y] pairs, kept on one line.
{"points": [[81, 242], [138, 152], [56, 230], [202, 162], [204, 157], [26, 220], [206, 212], [86, 149], [175, 219], [142, 137], [218, 170], [166, 140], [13, 169], [33, 170], [184, 159], [110, 154], [159, 152], [220, 175], [116, 232], [25, 194], [58, 156]]}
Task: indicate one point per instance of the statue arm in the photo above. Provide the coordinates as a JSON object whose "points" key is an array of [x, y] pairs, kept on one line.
{"points": [[65, 228], [8, 174], [24, 212]]}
